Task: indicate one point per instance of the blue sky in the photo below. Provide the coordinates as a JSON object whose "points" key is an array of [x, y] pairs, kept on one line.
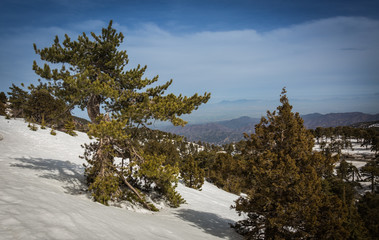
{"points": [[325, 52]]}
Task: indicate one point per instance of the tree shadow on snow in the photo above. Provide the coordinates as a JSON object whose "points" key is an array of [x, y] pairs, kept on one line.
{"points": [[64, 171], [209, 222]]}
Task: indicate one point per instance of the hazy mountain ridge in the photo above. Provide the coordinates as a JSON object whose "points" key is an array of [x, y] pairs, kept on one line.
{"points": [[216, 132], [313, 121], [221, 132]]}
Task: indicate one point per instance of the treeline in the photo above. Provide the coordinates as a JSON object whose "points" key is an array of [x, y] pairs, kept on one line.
{"points": [[335, 139], [358, 134]]}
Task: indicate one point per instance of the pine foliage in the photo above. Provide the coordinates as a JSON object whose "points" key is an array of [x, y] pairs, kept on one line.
{"points": [[191, 173], [370, 172], [17, 99], [368, 208], [3, 103], [70, 127], [38, 106]]}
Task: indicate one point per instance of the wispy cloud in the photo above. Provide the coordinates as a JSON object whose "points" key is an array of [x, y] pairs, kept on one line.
{"points": [[306, 57]]}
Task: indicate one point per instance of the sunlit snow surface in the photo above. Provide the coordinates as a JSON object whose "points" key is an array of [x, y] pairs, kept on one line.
{"points": [[42, 196]]}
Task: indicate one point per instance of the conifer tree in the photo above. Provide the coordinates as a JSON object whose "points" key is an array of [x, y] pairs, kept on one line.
{"points": [[70, 127], [3, 97], [286, 199], [2, 109], [370, 172], [3, 102], [368, 208], [17, 99], [41, 105], [375, 144], [191, 173], [92, 76]]}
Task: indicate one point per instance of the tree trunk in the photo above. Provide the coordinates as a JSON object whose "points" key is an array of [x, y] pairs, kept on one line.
{"points": [[103, 157], [93, 107]]}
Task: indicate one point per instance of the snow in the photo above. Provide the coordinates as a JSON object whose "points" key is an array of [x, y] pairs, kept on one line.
{"points": [[42, 196]]}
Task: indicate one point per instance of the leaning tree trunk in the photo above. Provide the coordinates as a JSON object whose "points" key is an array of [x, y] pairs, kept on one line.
{"points": [[93, 108], [106, 161]]}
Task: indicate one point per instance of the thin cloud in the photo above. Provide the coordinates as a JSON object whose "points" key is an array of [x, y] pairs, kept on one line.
{"points": [[299, 56], [316, 60]]}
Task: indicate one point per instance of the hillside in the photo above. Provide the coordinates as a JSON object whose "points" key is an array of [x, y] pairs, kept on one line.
{"points": [[43, 196], [216, 132], [232, 130]]}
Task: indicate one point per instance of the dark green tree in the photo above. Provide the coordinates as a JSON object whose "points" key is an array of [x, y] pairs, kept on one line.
{"points": [[17, 100], [339, 187], [375, 144], [43, 107], [370, 172], [191, 173], [286, 199], [368, 208], [3, 101], [92, 76], [70, 127], [348, 172], [3, 97]]}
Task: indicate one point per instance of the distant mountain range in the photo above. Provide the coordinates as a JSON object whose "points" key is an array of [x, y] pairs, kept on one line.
{"points": [[312, 121], [222, 132]]}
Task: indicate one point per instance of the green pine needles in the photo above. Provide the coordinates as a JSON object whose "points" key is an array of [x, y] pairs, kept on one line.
{"points": [[70, 127], [192, 174], [119, 103], [286, 199]]}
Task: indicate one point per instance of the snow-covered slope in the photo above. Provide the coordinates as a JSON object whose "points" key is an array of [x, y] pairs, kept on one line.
{"points": [[42, 196]]}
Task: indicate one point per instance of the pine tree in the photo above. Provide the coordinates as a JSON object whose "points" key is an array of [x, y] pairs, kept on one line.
{"points": [[3, 102], [375, 144], [286, 199], [3, 97], [17, 99], [370, 172], [2, 109], [368, 208], [41, 105], [95, 79], [70, 127], [191, 173]]}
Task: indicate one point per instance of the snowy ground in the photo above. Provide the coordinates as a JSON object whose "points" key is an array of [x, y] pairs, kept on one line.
{"points": [[42, 196]]}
